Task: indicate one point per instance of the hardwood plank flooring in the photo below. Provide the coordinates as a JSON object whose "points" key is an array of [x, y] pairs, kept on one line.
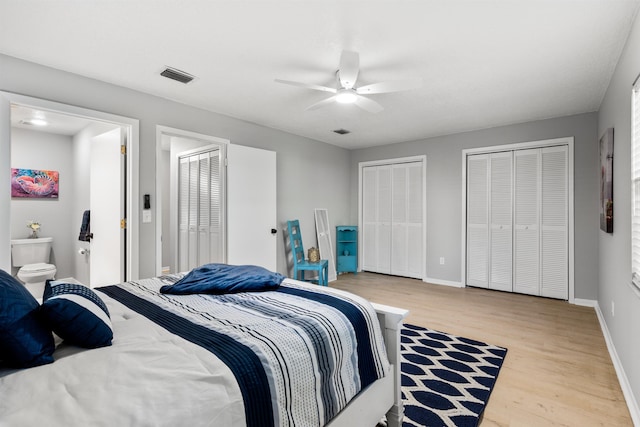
{"points": [[557, 372]]}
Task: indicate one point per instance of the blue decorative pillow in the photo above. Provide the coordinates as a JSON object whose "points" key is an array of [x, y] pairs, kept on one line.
{"points": [[24, 340], [76, 314], [225, 279]]}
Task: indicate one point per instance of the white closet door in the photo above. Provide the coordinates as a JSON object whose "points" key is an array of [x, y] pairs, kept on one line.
{"points": [[399, 230], [478, 220], [415, 232], [216, 235], [183, 213], [204, 211], [200, 225], [369, 218], [500, 272], [392, 219], [526, 227], [383, 225], [554, 223], [192, 225]]}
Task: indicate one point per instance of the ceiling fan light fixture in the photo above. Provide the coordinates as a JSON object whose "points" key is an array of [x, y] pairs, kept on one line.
{"points": [[346, 96]]}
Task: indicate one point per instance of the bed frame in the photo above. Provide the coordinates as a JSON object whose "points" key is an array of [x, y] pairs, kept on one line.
{"points": [[383, 397]]}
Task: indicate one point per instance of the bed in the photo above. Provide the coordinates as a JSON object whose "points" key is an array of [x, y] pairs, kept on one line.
{"points": [[298, 355]]}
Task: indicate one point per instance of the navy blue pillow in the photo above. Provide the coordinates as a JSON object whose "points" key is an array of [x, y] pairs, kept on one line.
{"points": [[24, 340], [225, 279], [76, 314]]}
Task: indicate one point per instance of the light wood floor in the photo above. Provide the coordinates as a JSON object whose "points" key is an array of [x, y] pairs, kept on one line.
{"points": [[557, 371]]}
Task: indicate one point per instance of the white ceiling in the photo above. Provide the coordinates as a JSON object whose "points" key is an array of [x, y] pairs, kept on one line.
{"points": [[483, 63]]}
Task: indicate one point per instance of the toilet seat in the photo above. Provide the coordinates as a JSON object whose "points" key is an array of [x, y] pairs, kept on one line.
{"points": [[39, 267]]}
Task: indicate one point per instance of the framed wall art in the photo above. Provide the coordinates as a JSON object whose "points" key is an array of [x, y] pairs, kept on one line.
{"points": [[606, 181], [34, 183]]}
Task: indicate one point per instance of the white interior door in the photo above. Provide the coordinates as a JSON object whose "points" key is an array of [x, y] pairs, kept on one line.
{"points": [[5, 192], [478, 220], [526, 264], [107, 209], [501, 212], [554, 223], [251, 207]]}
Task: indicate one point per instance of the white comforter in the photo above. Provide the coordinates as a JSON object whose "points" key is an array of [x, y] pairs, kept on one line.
{"points": [[97, 387]]}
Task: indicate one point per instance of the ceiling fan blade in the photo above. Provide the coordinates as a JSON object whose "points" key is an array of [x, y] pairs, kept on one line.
{"points": [[308, 86], [391, 86], [321, 104], [349, 68], [368, 105]]}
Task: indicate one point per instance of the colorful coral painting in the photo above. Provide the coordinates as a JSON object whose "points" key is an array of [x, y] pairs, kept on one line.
{"points": [[34, 183]]}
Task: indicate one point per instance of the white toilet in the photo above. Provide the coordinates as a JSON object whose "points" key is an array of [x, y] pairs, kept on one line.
{"points": [[32, 256]]}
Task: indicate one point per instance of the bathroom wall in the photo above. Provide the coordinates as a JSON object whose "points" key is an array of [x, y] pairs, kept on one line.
{"points": [[40, 150]]}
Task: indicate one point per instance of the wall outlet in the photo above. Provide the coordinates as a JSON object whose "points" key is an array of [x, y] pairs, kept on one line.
{"points": [[441, 260], [613, 309]]}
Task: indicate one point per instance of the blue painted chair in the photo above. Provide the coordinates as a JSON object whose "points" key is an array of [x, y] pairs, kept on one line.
{"points": [[300, 264]]}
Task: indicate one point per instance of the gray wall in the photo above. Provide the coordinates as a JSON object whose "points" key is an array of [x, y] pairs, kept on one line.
{"points": [[310, 174], [40, 150], [444, 190], [615, 249]]}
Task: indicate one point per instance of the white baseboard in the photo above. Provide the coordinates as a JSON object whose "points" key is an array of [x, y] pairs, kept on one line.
{"points": [[622, 376], [585, 302], [443, 282]]}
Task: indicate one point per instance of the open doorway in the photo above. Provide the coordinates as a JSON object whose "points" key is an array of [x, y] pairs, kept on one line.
{"points": [[75, 131], [191, 194]]}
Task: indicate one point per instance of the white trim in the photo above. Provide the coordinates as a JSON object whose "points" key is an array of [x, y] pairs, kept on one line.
{"points": [[169, 131], [627, 391], [132, 129], [443, 282], [410, 159], [585, 302], [569, 141]]}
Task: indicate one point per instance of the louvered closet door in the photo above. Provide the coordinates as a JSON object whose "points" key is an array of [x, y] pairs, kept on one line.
{"points": [[216, 249], [478, 220], [501, 237], [183, 214], [369, 218], [526, 227], [399, 231], [415, 231], [383, 224], [406, 233], [199, 218], [554, 223]]}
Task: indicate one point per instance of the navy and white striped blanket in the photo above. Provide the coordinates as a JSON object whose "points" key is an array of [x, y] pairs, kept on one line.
{"points": [[299, 354]]}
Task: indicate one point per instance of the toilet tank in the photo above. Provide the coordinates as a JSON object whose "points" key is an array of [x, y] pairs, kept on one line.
{"points": [[30, 251]]}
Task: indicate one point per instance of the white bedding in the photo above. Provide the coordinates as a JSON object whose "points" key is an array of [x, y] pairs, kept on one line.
{"points": [[72, 391], [131, 383]]}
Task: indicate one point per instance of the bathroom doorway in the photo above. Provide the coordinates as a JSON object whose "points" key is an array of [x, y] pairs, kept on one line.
{"points": [[62, 218]]}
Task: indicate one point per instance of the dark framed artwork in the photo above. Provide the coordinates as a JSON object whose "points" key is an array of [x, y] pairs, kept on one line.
{"points": [[606, 181]]}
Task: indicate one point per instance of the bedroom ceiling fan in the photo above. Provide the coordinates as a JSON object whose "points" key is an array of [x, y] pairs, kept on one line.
{"points": [[348, 93]]}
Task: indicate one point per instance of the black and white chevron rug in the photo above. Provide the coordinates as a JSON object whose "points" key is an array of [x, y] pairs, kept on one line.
{"points": [[446, 380]]}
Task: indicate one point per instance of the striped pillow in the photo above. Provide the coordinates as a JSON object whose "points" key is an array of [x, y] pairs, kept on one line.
{"points": [[76, 314]]}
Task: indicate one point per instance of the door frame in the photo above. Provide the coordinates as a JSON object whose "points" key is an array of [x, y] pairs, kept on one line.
{"points": [[131, 129], [166, 131], [412, 159], [568, 141]]}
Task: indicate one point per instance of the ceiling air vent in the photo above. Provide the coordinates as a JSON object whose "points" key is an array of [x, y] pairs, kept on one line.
{"points": [[342, 131], [177, 75]]}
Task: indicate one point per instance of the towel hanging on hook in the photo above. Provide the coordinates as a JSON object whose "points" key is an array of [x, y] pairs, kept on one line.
{"points": [[85, 228]]}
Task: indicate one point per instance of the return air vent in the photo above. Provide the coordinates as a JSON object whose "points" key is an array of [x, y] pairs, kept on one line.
{"points": [[177, 75], [342, 131]]}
